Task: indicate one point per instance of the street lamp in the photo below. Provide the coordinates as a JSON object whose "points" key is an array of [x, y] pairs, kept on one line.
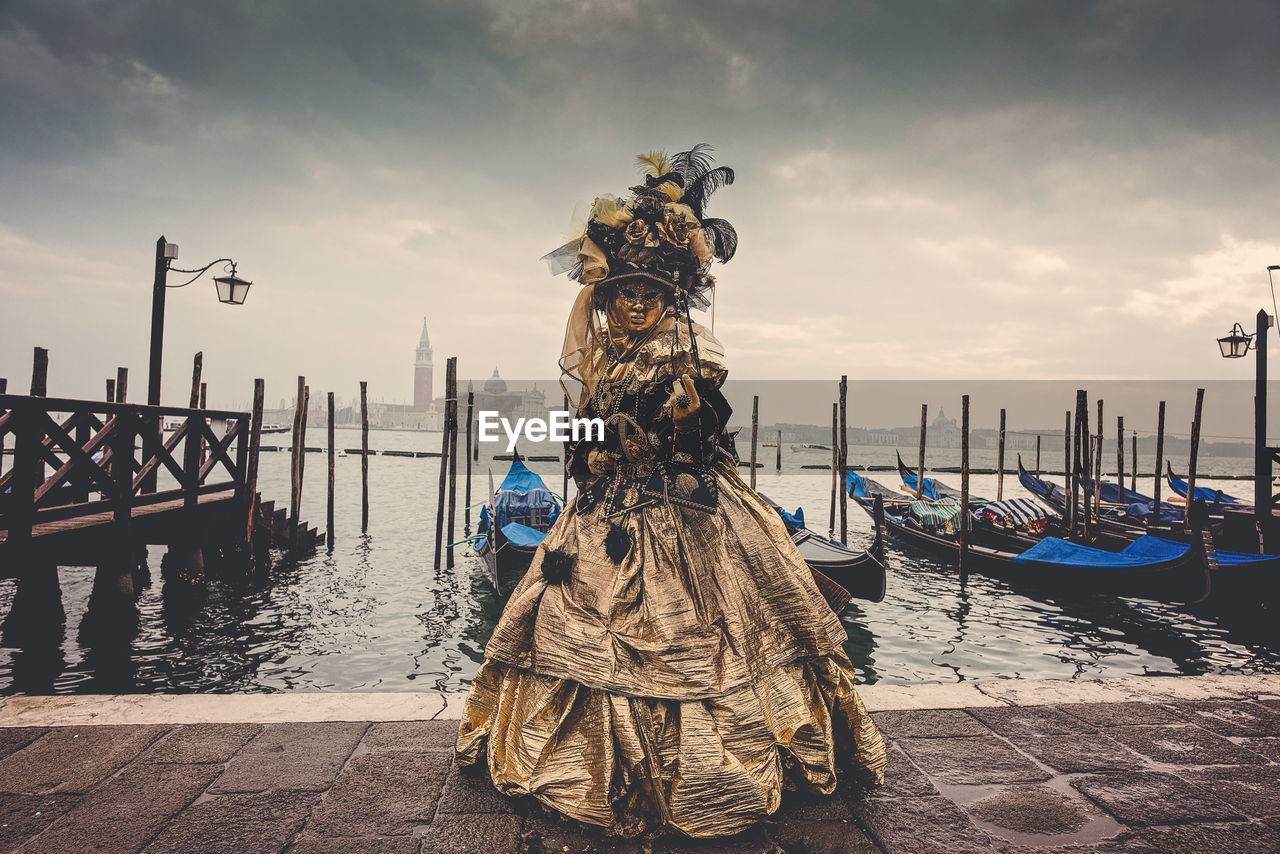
{"points": [[231, 290], [1236, 344]]}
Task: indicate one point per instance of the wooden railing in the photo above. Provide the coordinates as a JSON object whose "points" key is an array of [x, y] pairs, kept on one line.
{"points": [[71, 459]]}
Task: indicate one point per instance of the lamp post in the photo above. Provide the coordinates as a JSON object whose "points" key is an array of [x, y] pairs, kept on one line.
{"points": [[231, 290]]}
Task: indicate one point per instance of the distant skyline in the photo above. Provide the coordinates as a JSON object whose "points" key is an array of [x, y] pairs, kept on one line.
{"points": [[926, 190]]}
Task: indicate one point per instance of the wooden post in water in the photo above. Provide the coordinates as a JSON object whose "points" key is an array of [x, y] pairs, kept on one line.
{"points": [[204, 395], [197, 367], [835, 466], [1000, 462], [194, 443], [1261, 451], [1038, 438], [40, 373], [451, 415], [333, 456], [778, 463], [924, 428], [122, 385], [755, 429], [844, 459], [1155, 515], [1086, 467], [1195, 454], [4, 389], [466, 502], [111, 391], [1133, 475], [1073, 471], [444, 467], [296, 461], [1066, 471], [1120, 457], [1097, 468], [251, 466], [962, 527], [364, 456]]}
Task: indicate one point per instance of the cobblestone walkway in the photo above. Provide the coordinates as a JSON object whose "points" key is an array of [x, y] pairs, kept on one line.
{"points": [[1169, 776]]}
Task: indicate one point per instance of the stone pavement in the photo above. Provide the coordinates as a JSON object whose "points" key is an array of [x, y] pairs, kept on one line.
{"points": [[1184, 764]]}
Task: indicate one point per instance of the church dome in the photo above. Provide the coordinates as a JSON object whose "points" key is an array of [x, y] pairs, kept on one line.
{"points": [[495, 384]]}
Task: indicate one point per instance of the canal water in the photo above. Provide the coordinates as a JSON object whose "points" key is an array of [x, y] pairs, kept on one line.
{"points": [[374, 615]]}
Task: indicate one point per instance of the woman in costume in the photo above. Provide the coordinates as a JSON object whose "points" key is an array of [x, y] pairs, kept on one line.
{"points": [[669, 661]]}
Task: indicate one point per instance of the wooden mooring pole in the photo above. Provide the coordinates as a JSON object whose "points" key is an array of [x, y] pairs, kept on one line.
{"points": [[298, 459], [1086, 464], [122, 385], [451, 415], [1133, 475], [111, 391], [1097, 468], [844, 459], [444, 465], [1038, 438], [251, 466], [1066, 471], [1155, 515], [40, 373], [924, 427], [4, 389], [364, 456], [1120, 457], [466, 501], [778, 463], [1262, 508], [755, 430], [962, 526], [1194, 458], [1000, 462], [835, 466], [333, 456]]}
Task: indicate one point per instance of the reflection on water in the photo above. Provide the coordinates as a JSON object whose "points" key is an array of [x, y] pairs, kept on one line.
{"points": [[374, 615]]}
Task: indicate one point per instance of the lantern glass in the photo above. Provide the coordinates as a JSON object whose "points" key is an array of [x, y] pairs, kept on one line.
{"points": [[1236, 344], [232, 289]]}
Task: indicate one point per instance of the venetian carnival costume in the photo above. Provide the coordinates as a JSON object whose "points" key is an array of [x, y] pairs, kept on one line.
{"points": [[669, 661]]}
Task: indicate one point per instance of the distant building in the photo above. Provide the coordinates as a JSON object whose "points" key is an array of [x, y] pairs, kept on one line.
{"points": [[495, 396]]}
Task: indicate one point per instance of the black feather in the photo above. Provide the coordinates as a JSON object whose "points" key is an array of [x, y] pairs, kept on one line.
{"points": [[556, 566], [617, 543], [694, 163], [724, 239], [697, 194]]}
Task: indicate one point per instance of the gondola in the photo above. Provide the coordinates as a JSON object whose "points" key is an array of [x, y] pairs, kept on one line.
{"points": [[860, 573], [1148, 567], [1120, 524], [1013, 524], [525, 510], [1209, 496]]}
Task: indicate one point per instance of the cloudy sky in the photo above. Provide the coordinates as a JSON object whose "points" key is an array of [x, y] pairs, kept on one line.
{"points": [[925, 190]]}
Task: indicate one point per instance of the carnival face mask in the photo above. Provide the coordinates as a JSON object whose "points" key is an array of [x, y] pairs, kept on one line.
{"points": [[636, 307]]}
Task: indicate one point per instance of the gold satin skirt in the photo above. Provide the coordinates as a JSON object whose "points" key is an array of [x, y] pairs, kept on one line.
{"points": [[683, 688]]}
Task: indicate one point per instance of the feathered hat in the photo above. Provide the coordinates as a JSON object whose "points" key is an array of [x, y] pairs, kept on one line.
{"points": [[658, 232]]}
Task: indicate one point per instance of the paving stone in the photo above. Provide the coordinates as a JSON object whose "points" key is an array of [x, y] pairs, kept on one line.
{"points": [[125, 812], [74, 759], [1230, 717], [17, 737], [23, 816], [1073, 754], [921, 826], [968, 761], [348, 845], [1028, 721], [928, 723], [300, 756], [469, 790], [1119, 714], [263, 823], [1153, 797], [1221, 839], [1127, 842], [1183, 745], [1031, 809], [823, 837], [376, 845], [753, 841], [202, 743], [381, 794], [418, 736], [1268, 747], [1252, 789], [902, 779], [545, 834]]}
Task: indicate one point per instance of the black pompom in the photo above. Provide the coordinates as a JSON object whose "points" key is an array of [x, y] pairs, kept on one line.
{"points": [[556, 566], [617, 543]]}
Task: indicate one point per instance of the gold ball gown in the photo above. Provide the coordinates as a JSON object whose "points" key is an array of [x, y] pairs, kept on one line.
{"points": [[669, 660]]}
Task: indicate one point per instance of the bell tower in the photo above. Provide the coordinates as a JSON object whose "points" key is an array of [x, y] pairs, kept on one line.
{"points": [[422, 373]]}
